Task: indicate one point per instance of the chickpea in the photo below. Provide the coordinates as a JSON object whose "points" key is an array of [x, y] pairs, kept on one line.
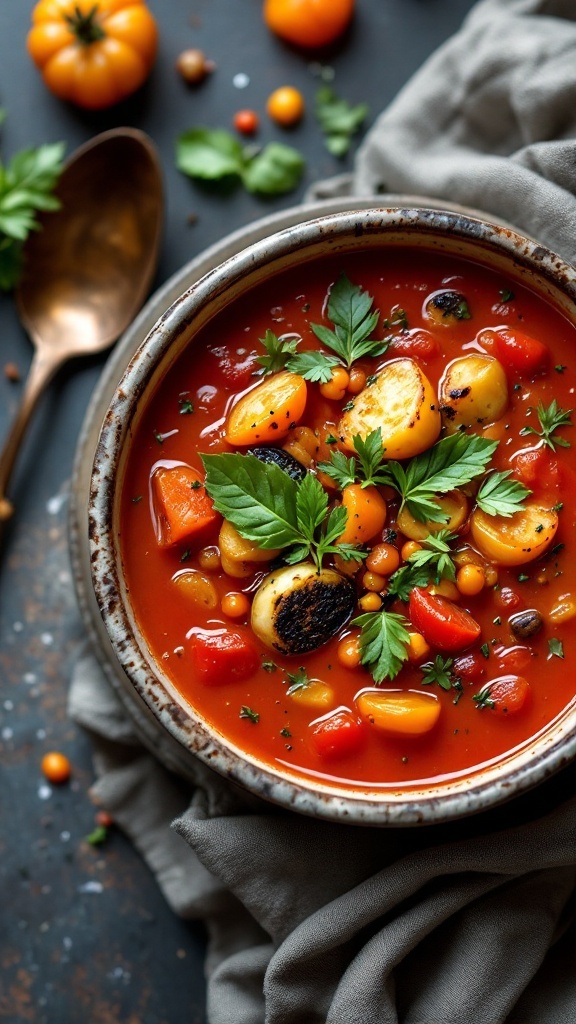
{"points": [[373, 581], [370, 602], [235, 605], [470, 579], [349, 651], [335, 388], [383, 560]]}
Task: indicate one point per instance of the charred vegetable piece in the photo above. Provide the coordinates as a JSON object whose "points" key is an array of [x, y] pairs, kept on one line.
{"points": [[297, 609], [284, 460], [473, 392], [402, 403], [446, 307], [269, 411]]}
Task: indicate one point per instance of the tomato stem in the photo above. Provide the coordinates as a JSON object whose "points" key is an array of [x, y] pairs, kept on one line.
{"points": [[85, 27]]}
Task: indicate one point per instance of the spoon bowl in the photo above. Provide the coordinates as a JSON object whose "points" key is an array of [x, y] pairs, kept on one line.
{"points": [[89, 268]]}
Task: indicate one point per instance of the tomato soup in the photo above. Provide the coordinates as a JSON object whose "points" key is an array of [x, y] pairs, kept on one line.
{"points": [[347, 517]]}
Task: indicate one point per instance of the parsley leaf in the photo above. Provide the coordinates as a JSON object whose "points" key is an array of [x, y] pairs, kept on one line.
{"points": [[278, 352], [551, 419], [436, 556], [448, 464], [26, 186], [271, 509], [250, 714], [438, 671], [214, 154], [500, 496], [298, 681], [313, 366], [281, 353], [403, 581], [350, 310], [338, 120], [384, 640], [555, 648]]}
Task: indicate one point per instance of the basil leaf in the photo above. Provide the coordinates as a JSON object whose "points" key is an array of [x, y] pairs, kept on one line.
{"points": [[209, 153], [275, 170], [338, 120], [259, 499]]}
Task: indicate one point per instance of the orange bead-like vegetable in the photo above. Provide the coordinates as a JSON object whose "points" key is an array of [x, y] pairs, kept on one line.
{"points": [[93, 53], [56, 767], [308, 23], [285, 106]]}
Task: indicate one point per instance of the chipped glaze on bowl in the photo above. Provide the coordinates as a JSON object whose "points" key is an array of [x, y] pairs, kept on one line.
{"points": [[456, 234]]}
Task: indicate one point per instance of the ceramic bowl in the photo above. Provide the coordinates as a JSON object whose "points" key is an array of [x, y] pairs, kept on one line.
{"points": [[496, 246]]}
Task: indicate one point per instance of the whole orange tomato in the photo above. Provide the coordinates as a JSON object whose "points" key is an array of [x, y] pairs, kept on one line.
{"points": [[308, 23], [93, 52]]}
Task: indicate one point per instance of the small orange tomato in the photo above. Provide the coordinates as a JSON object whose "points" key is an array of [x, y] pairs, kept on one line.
{"points": [[285, 106], [56, 767], [93, 53], [246, 122], [308, 23]]}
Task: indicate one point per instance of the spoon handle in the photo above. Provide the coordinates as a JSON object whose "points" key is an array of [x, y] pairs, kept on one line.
{"points": [[42, 369]]}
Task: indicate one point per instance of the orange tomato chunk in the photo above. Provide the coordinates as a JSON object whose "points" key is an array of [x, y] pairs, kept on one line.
{"points": [[269, 411]]}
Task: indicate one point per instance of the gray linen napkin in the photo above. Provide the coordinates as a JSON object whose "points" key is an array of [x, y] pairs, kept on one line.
{"points": [[309, 922]]}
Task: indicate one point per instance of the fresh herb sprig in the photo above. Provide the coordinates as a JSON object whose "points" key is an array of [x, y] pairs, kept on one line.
{"points": [[384, 640], [281, 353], [551, 418], [339, 121], [27, 186], [350, 310], [430, 564], [500, 495], [271, 509]]}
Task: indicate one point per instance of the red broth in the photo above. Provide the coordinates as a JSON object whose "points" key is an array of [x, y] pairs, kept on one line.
{"points": [[186, 416]]}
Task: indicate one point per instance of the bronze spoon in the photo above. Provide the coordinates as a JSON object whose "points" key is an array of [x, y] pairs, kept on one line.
{"points": [[88, 270]]}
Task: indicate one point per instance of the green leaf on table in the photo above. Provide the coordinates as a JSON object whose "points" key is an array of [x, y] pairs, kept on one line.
{"points": [[27, 186], [214, 154], [338, 120], [276, 169]]}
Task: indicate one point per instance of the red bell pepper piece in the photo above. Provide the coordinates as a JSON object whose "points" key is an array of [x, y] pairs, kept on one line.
{"points": [[337, 734], [223, 655]]}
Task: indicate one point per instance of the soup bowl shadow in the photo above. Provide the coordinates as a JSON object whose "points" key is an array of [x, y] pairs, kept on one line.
{"points": [[191, 738]]}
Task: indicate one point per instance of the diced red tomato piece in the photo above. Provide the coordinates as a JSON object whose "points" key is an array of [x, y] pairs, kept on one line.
{"points": [[538, 469], [416, 344], [520, 353], [505, 695], [443, 624], [236, 369], [223, 655], [513, 659], [507, 599], [181, 505], [471, 667], [337, 734]]}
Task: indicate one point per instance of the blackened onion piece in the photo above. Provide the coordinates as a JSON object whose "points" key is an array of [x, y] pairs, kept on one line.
{"points": [[447, 306], [297, 609], [280, 458]]}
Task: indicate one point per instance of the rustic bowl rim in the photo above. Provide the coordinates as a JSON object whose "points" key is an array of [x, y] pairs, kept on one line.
{"points": [[540, 758]]}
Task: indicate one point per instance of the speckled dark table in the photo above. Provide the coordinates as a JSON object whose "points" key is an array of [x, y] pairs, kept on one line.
{"points": [[85, 934]]}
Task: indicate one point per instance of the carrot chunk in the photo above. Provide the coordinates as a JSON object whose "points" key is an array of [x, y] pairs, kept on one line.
{"points": [[182, 508]]}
